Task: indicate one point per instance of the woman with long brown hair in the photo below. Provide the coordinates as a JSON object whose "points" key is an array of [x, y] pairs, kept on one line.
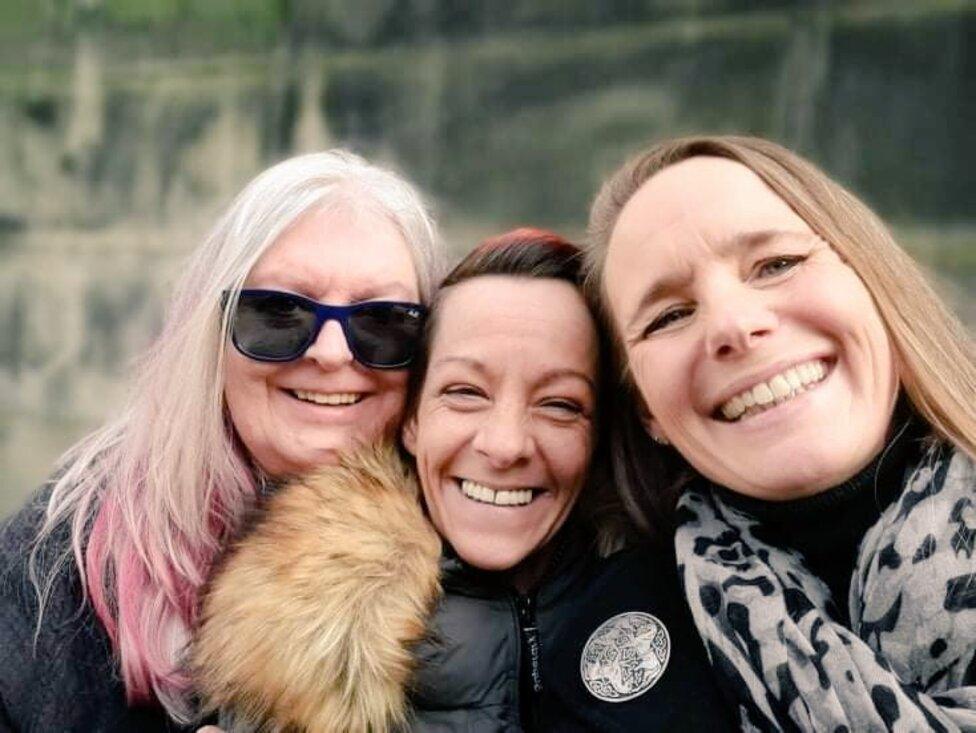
{"points": [[799, 416]]}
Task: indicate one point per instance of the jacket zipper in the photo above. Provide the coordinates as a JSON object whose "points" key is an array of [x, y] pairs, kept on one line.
{"points": [[530, 673], [529, 651]]}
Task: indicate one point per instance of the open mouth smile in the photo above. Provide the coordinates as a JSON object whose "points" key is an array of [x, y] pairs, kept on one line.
{"points": [[774, 391], [333, 399], [498, 497]]}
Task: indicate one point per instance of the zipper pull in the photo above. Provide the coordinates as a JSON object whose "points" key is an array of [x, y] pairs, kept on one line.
{"points": [[525, 606]]}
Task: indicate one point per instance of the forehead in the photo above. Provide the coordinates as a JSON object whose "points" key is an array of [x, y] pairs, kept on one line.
{"points": [[491, 315], [334, 252], [706, 195], [691, 208]]}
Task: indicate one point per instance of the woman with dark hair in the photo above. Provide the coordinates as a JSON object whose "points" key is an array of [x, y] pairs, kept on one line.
{"points": [[809, 404], [338, 612]]}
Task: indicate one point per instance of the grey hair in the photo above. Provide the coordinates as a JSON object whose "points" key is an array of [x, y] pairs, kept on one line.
{"points": [[279, 196], [151, 497]]}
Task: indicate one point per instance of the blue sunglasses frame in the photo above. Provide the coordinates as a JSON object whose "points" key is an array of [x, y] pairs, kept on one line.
{"points": [[325, 312]]}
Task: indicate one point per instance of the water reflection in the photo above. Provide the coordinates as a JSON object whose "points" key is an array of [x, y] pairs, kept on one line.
{"points": [[118, 148]]}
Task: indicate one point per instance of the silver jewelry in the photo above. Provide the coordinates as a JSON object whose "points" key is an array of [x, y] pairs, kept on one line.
{"points": [[625, 656]]}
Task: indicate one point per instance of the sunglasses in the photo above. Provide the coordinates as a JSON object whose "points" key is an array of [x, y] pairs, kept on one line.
{"points": [[271, 325]]}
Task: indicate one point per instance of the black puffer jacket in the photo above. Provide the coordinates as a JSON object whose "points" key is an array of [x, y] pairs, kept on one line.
{"points": [[338, 611], [68, 681], [501, 661]]}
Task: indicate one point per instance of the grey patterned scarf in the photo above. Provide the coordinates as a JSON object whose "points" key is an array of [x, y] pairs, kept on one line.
{"points": [[908, 663]]}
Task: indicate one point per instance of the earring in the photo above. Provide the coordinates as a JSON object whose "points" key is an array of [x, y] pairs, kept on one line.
{"points": [[660, 439]]}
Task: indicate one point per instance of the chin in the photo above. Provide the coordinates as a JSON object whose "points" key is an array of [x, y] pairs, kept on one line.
{"points": [[793, 480], [492, 559]]}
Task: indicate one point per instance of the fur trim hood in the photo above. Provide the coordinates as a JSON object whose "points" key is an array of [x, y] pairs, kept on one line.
{"points": [[309, 621]]}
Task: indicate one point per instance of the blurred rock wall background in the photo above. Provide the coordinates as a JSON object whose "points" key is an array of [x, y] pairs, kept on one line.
{"points": [[125, 125]]}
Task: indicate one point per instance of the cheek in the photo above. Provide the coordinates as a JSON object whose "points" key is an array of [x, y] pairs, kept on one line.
{"points": [[569, 454], [656, 377], [438, 439], [391, 388], [851, 312], [243, 382]]}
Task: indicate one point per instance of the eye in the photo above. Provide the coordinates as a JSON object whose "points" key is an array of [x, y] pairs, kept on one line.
{"points": [[668, 318], [562, 407], [463, 396], [462, 391], [777, 265]]}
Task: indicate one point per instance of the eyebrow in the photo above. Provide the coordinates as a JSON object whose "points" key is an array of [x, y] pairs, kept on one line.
{"points": [[669, 283], [464, 360], [385, 290], [357, 292], [550, 376]]}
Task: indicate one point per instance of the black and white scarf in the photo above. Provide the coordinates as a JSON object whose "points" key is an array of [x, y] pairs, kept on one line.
{"points": [[908, 663]]}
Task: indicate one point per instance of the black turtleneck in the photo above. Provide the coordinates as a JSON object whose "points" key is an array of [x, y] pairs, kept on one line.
{"points": [[827, 528]]}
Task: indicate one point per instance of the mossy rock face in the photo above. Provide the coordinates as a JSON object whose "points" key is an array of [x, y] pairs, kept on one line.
{"points": [[125, 125]]}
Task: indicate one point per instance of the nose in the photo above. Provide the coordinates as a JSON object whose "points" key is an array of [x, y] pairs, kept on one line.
{"points": [[738, 321], [504, 437], [330, 349]]}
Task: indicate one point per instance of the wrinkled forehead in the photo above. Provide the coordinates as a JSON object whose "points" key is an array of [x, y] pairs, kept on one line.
{"points": [[702, 206], [707, 196]]}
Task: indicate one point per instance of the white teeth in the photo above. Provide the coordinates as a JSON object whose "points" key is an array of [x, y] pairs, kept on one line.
{"points": [[763, 394], [323, 398], [780, 388], [498, 497], [733, 408]]}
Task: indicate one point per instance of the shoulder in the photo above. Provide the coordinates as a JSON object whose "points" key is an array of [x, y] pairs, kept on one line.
{"points": [[621, 652], [943, 476], [637, 573], [59, 674], [36, 658], [469, 660], [18, 533]]}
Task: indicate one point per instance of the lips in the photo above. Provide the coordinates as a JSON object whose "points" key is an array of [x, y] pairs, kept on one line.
{"points": [[776, 390]]}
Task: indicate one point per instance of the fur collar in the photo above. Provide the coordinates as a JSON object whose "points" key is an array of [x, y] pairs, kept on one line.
{"points": [[309, 621]]}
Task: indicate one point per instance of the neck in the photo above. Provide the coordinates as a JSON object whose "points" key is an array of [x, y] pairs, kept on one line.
{"points": [[827, 528]]}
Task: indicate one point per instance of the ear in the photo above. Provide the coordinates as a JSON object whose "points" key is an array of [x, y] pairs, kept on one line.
{"points": [[650, 423], [408, 434]]}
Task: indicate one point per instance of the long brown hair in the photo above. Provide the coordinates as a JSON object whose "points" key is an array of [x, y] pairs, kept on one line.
{"points": [[935, 353]]}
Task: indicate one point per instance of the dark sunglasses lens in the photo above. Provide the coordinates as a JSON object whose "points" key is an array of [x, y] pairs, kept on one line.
{"points": [[385, 334], [272, 326]]}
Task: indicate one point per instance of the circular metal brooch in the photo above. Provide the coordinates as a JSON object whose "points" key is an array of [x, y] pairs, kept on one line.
{"points": [[625, 656]]}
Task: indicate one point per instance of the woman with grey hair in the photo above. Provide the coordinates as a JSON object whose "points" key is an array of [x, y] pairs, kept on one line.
{"points": [[287, 341]]}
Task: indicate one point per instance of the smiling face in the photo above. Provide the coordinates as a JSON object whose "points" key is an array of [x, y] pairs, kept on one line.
{"points": [[759, 353], [504, 427], [281, 411]]}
